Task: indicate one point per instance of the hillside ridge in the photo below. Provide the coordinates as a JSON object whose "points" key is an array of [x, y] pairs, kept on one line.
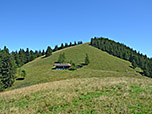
{"points": [[40, 70]]}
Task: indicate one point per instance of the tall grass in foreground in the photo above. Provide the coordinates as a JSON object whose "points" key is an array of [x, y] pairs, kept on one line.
{"points": [[85, 95]]}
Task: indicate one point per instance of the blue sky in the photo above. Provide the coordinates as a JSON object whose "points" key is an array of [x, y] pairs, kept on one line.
{"points": [[38, 23]]}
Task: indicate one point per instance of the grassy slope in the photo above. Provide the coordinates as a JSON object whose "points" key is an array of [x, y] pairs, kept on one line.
{"points": [[101, 64], [86, 95]]}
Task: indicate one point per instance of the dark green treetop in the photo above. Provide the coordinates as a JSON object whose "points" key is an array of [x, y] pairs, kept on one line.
{"points": [[48, 51], [7, 70], [56, 48], [87, 59]]}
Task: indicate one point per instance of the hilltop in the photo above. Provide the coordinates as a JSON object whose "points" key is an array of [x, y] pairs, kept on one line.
{"points": [[101, 64]]}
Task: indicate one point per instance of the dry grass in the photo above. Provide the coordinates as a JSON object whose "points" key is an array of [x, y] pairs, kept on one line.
{"points": [[86, 95]]}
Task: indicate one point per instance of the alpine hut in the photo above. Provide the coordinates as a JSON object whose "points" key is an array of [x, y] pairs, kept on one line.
{"points": [[60, 66]]}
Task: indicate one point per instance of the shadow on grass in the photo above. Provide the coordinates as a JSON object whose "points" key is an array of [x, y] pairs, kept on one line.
{"points": [[53, 68], [137, 71], [20, 79], [132, 67], [56, 62], [83, 64], [140, 73]]}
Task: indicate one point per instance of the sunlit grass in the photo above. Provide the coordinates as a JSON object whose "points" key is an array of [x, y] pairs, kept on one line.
{"points": [[85, 95]]}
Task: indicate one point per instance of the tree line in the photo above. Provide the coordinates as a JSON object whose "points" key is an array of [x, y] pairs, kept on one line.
{"points": [[10, 61], [24, 56], [124, 52], [56, 48]]}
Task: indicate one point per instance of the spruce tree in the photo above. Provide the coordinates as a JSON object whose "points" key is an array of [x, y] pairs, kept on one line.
{"points": [[6, 49], [8, 70], [134, 64], [62, 46], [56, 48], [48, 51], [87, 59], [70, 44], [23, 73], [1, 85], [73, 66], [43, 52], [66, 45], [27, 55], [17, 59], [75, 43], [37, 53], [22, 56], [40, 53], [61, 58], [79, 42], [126, 56], [32, 55]]}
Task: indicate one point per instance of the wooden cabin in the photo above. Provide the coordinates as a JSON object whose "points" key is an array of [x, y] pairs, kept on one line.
{"points": [[61, 66]]}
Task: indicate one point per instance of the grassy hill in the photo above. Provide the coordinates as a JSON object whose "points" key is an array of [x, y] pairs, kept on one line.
{"points": [[107, 85], [94, 95], [101, 64]]}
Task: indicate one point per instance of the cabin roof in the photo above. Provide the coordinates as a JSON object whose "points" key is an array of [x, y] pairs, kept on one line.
{"points": [[63, 64]]}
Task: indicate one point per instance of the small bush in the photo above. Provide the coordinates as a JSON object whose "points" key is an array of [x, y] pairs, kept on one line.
{"points": [[73, 66], [23, 74]]}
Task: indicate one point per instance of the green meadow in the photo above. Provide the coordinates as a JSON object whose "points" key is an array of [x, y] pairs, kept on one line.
{"points": [[101, 64]]}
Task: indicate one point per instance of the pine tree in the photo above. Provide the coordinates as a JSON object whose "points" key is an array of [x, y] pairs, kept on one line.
{"points": [[126, 56], [43, 52], [48, 51], [1, 85], [6, 49], [75, 43], [70, 44], [61, 58], [62, 46], [23, 73], [37, 53], [27, 55], [22, 56], [56, 48], [79, 42], [87, 59], [63, 55], [66, 45], [73, 66], [32, 55], [40, 53], [17, 59], [8, 70], [134, 64]]}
